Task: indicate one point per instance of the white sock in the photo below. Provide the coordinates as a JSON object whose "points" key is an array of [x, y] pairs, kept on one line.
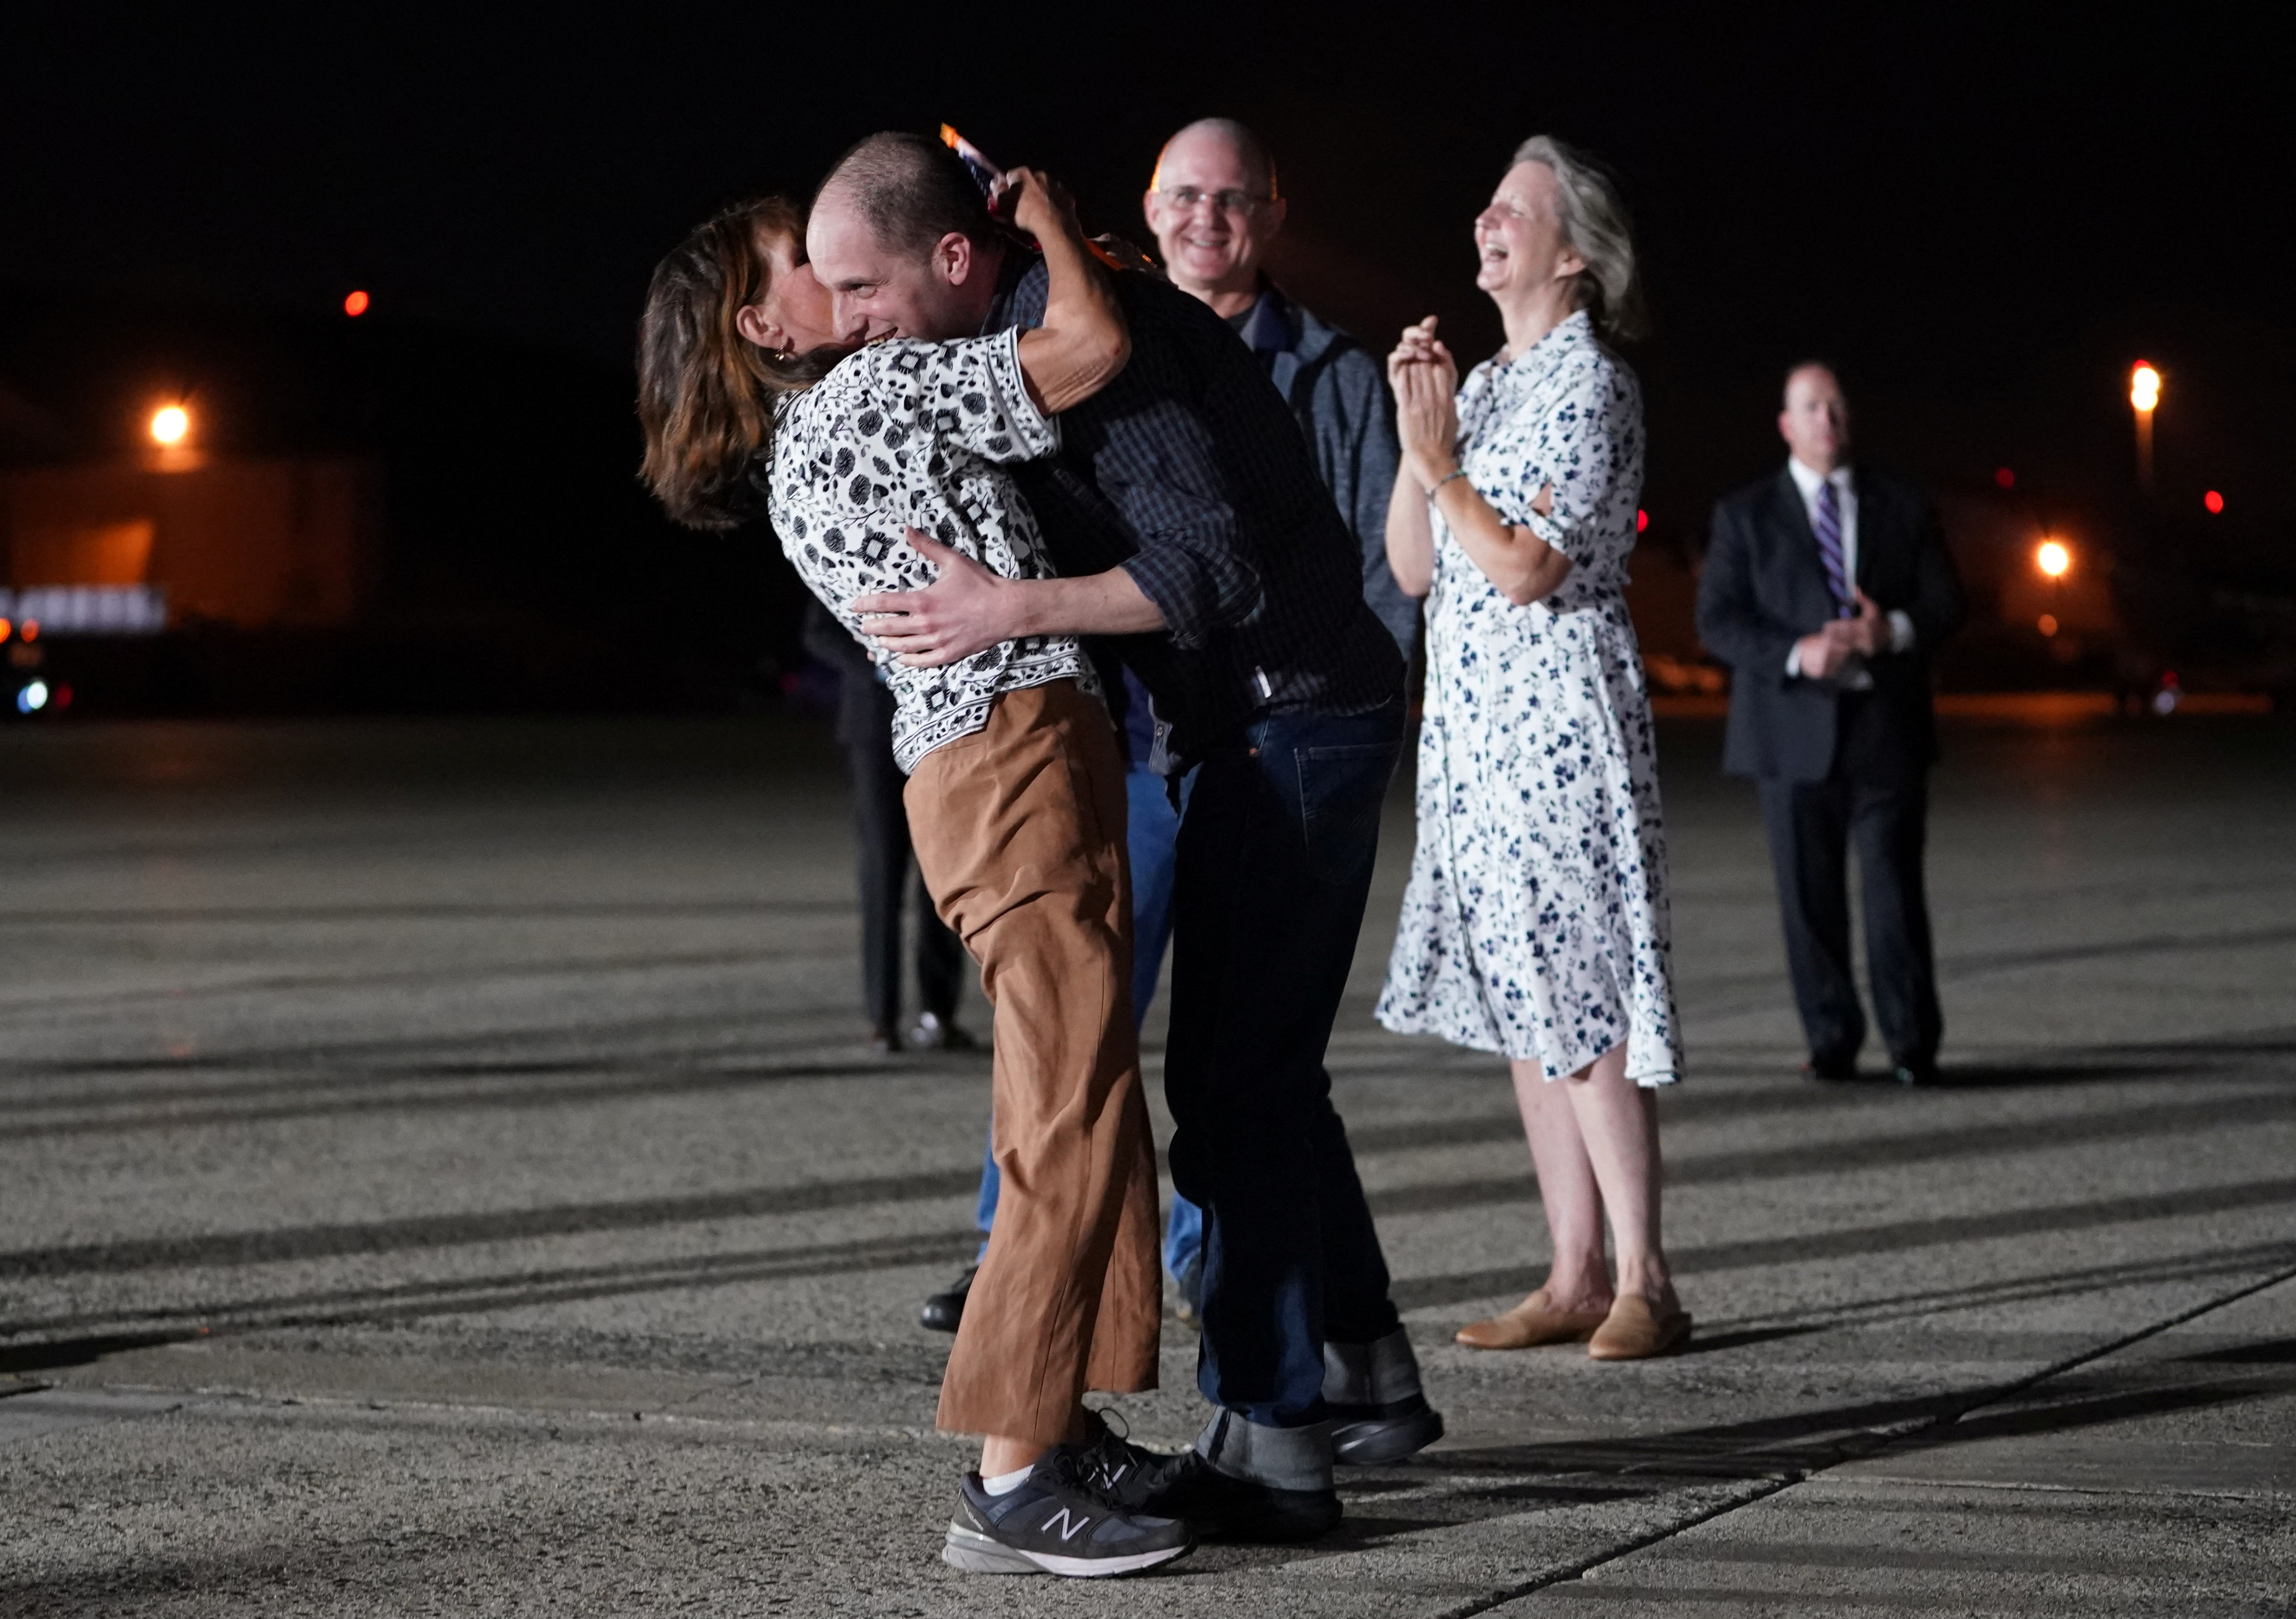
{"points": [[1004, 1484]]}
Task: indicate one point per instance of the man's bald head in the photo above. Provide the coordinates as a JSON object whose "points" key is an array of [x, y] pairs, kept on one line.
{"points": [[1249, 152], [901, 236], [910, 191]]}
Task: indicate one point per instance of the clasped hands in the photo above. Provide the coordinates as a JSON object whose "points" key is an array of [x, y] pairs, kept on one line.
{"points": [[1425, 378], [1824, 651], [965, 609]]}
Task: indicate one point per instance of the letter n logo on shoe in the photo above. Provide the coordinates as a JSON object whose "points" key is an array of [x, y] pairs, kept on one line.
{"points": [[1069, 1528]]}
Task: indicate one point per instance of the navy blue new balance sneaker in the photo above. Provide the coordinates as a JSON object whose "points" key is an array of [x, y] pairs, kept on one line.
{"points": [[1124, 1472], [1058, 1521]]}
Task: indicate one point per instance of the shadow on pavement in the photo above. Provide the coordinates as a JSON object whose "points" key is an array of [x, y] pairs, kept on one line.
{"points": [[1423, 1292]]}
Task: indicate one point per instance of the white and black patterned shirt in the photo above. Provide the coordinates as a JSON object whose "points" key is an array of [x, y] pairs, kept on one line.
{"points": [[915, 434]]}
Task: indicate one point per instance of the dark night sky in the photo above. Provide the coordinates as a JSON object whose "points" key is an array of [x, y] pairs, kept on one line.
{"points": [[1985, 214]]}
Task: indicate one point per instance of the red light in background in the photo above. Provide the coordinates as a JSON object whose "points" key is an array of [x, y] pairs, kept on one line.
{"points": [[63, 698], [2213, 501], [2003, 476], [30, 630], [355, 304], [1641, 519]]}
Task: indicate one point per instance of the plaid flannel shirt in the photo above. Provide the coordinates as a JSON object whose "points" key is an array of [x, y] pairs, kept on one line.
{"points": [[1189, 473]]}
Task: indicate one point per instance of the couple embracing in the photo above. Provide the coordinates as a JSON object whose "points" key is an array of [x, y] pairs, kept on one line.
{"points": [[1013, 472]]}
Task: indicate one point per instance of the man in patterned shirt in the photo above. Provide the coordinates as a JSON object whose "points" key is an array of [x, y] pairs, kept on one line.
{"points": [[1186, 516]]}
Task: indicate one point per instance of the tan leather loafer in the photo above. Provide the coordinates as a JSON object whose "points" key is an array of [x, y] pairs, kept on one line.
{"points": [[1635, 1331], [1530, 1323]]}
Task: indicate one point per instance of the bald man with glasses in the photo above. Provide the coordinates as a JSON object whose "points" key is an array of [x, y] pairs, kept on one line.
{"points": [[1214, 205], [1215, 208]]}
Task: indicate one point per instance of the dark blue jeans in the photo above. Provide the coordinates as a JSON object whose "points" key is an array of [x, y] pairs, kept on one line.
{"points": [[1276, 857]]}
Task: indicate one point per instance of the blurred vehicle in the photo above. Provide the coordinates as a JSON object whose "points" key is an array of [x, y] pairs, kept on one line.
{"points": [[2167, 612], [44, 631]]}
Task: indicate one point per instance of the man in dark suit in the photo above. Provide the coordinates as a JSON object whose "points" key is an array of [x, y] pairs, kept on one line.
{"points": [[1826, 588]]}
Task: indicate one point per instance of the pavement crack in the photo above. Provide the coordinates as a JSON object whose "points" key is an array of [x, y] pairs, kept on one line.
{"points": [[1862, 1443]]}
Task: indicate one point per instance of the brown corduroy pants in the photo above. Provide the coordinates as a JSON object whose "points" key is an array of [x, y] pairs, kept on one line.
{"points": [[1019, 830]]}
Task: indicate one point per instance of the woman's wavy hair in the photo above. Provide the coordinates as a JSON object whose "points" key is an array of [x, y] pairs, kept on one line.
{"points": [[1593, 219], [705, 393]]}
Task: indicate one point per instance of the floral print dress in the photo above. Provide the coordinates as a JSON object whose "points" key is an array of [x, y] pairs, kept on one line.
{"points": [[1535, 922]]}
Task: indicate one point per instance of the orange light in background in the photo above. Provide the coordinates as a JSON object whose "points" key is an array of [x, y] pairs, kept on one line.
{"points": [[1641, 519], [2048, 624], [30, 630], [2003, 476], [2144, 386], [6, 629], [2213, 501], [2054, 558], [170, 423], [355, 304]]}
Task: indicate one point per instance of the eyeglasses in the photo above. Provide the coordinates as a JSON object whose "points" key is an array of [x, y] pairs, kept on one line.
{"points": [[1230, 202]]}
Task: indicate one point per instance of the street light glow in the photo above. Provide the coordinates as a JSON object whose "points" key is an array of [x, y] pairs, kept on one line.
{"points": [[355, 304], [2213, 501], [2143, 387], [2054, 558], [169, 423]]}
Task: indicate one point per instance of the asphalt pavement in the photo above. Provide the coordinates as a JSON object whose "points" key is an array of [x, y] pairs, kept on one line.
{"points": [[441, 1175]]}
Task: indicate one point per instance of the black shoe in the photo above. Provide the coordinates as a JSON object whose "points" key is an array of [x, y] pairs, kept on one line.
{"points": [[1221, 1507], [1834, 1069], [1915, 1073], [1380, 1436], [1056, 1523], [945, 1311], [883, 1042], [934, 1033]]}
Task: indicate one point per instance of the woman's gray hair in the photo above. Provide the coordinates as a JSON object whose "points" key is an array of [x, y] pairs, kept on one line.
{"points": [[1593, 221]]}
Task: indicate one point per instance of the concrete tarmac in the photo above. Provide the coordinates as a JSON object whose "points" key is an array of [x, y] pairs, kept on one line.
{"points": [[440, 1175]]}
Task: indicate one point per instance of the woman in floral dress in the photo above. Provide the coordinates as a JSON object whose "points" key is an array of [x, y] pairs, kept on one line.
{"points": [[1535, 925]]}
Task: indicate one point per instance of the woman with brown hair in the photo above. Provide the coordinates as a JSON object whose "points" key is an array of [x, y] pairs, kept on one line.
{"points": [[876, 465]]}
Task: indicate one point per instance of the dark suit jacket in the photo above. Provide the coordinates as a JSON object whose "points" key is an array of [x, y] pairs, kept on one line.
{"points": [[1764, 589], [864, 706]]}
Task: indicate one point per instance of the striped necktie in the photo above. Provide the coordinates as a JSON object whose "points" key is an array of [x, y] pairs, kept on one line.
{"points": [[1829, 549]]}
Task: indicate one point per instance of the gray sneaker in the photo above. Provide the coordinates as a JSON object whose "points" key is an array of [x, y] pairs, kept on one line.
{"points": [[1379, 1414], [1380, 1436], [1058, 1521]]}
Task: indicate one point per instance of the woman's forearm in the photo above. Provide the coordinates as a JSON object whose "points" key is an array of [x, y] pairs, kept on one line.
{"points": [[1524, 568], [1410, 535], [1083, 342]]}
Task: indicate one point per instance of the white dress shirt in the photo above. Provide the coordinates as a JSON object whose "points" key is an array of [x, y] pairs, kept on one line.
{"points": [[1854, 674]]}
